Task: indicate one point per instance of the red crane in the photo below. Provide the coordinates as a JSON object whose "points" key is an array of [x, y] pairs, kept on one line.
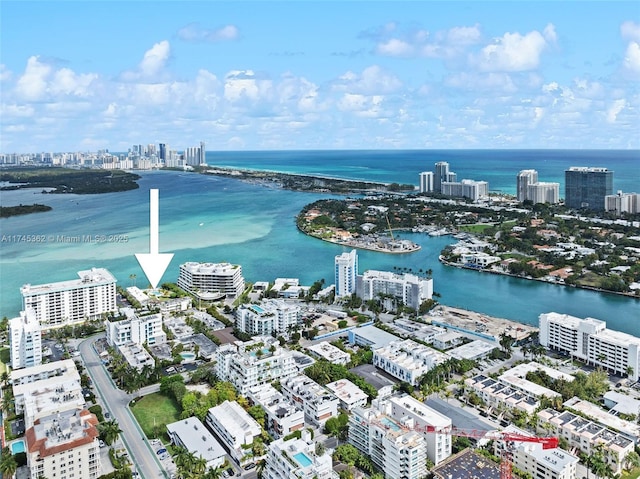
{"points": [[509, 439]]}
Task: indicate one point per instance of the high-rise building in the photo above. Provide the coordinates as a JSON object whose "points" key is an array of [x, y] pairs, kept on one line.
{"points": [[162, 153], [203, 154], [623, 203], [441, 175], [471, 189], [543, 192], [525, 178], [74, 301], [346, 269], [406, 289], [214, 278], [273, 315], [586, 187], [135, 329], [25, 340], [426, 182]]}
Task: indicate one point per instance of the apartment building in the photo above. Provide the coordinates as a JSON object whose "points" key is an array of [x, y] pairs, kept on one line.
{"points": [[328, 351], [25, 340], [346, 270], [586, 187], [407, 360], [297, 458], [211, 280], [622, 203], [393, 446], [426, 182], [253, 363], [282, 416], [544, 192], [397, 289], [590, 341], [586, 436], [130, 327], [271, 315], [349, 395], [317, 402], [64, 445], [234, 427], [73, 301], [191, 434], [474, 190]]}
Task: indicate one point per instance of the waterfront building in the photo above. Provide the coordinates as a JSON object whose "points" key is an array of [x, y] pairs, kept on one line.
{"points": [[234, 427], [211, 280], [407, 360], [441, 174], [542, 192], [524, 179], [346, 270], [328, 351], [474, 190], [392, 445], [282, 416], [253, 363], [349, 395], [317, 402], [586, 436], [130, 327], [531, 458], [64, 445], [426, 182], [623, 203], [590, 341], [586, 187], [397, 289], [192, 435], [297, 458], [271, 316], [74, 301], [25, 340]]}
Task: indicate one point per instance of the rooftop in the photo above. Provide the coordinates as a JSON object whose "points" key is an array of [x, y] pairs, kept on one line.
{"points": [[196, 438], [88, 278]]}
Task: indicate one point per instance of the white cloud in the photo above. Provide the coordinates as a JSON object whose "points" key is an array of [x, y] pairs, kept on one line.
{"points": [[195, 33], [242, 85], [32, 85], [464, 35], [514, 52], [155, 58], [373, 79], [14, 110], [614, 110], [632, 58], [630, 31], [5, 74], [67, 82], [395, 48]]}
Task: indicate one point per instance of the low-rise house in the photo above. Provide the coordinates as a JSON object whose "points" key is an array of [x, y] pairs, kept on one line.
{"points": [[191, 434], [282, 416], [350, 395], [234, 427]]}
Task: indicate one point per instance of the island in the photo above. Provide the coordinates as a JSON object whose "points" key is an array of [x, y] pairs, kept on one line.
{"points": [[56, 180], [8, 211]]}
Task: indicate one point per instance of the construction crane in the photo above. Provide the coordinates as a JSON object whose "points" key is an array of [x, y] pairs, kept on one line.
{"points": [[508, 438], [389, 225]]}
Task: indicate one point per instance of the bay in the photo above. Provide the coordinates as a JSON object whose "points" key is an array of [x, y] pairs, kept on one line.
{"points": [[207, 218]]}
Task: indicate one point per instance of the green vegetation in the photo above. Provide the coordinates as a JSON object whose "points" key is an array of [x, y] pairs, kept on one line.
{"points": [[7, 211], [585, 386], [324, 372], [154, 412], [66, 180]]}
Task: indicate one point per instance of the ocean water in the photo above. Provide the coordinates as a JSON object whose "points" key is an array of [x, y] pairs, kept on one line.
{"points": [[207, 218]]}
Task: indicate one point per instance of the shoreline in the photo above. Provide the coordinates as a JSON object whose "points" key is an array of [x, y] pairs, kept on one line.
{"points": [[415, 246]]}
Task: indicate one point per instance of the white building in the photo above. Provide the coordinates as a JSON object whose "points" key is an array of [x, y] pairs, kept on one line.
{"points": [[346, 269], [622, 203], [435, 427], [426, 182], [271, 315], [370, 336], [234, 427], [328, 351], [407, 360], [64, 445], [25, 340], [350, 395], [74, 301], [317, 402], [524, 179], [211, 280], [544, 192], [407, 289], [253, 363], [282, 416], [296, 458], [130, 327], [191, 434], [589, 340], [474, 190], [392, 445]]}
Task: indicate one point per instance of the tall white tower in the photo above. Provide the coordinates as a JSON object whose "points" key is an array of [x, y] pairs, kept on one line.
{"points": [[346, 271], [426, 182], [525, 178]]}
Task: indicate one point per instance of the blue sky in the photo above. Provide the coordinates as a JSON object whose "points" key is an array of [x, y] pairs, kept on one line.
{"points": [[319, 75]]}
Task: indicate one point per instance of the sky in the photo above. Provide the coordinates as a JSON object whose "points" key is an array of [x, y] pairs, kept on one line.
{"points": [[240, 75]]}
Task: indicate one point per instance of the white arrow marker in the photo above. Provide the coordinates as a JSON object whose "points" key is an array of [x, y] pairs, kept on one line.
{"points": [[153, 264]]}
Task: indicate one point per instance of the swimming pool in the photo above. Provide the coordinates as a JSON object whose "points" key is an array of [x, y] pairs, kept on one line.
{"points": [[188, 356], [303, 459], [387, 422], [17, 446]]}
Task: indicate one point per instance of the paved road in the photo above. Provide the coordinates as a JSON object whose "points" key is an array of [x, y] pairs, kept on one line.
{"points": [[116, 403]]}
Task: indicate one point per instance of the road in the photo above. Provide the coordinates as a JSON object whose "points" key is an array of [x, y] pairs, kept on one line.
{"points": [[116, 403]]}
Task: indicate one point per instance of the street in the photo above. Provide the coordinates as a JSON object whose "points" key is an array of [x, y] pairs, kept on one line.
{"points": [[116, 403]]}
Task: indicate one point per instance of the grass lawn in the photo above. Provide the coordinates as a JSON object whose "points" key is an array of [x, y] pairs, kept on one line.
{"points": [[155, 409], [633, 474], [478, 228], [5, 359]]}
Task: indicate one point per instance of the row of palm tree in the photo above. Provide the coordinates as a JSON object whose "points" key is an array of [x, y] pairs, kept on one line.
{"points": [[191, 466], [8, 463]]}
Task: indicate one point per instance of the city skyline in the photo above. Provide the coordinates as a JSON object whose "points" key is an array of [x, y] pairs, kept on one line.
{"points": [[298, 75]]}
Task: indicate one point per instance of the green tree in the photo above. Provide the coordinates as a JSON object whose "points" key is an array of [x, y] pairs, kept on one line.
{"points": [[8, 463], [109, 431]]}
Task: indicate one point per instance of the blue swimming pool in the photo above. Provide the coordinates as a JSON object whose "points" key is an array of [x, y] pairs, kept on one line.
{"points": [[303, 459], [17, 447]]}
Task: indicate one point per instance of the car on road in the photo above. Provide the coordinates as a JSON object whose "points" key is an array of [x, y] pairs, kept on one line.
{"points": [[249, 466], [107, 415], [101, 443]]}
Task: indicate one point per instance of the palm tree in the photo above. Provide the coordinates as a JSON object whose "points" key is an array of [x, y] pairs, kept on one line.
{"points": [[109, 431], [631, 460], [8, 464], [132, 277]]}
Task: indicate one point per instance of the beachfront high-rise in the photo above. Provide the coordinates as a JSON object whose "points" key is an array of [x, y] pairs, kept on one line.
{"points": [[25, 340], [398, 289], [204, 279], [426, 182], [586, 187], [525, 178], [529, 188], [441, 174], [74, 301], [346, 269]]}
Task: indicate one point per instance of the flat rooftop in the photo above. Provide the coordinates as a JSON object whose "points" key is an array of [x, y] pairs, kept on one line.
{"points": [[88, 278]]}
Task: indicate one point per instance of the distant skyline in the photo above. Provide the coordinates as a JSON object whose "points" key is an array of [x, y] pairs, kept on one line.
{"points": [[83, 76]]}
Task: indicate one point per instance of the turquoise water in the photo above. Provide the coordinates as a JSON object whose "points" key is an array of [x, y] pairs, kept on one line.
{"points": [[385, 421], [257, 309], [211, 219], [187, 355], [303, 459], [17, 447]]}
